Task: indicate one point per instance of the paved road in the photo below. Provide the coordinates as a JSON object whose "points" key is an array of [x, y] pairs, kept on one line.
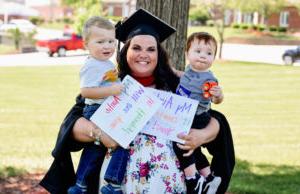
{"points": [[253, 53], [42, 59]]}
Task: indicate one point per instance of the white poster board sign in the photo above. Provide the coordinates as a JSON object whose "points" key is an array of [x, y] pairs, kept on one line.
{"points": [[123, 116], [175, 116]]}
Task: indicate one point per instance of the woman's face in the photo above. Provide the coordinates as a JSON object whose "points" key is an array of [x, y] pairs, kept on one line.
{"points": [[142, 55]]}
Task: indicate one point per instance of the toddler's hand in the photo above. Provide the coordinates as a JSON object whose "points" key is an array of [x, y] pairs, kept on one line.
{"points": [[217, 94], [116, 89], [111, 75], [216, 91]]}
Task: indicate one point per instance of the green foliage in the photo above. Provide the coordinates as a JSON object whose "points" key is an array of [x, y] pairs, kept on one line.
{"points": [[281, 29], [264, 7], [37, 20], [68, 20], [114, 18], [198, 14], [10, 171], [272, 28], [83, 10], [210, 23], [254, 27], [17, 36], [30, 37], [235, 25], [261, 27], [244, 26]]}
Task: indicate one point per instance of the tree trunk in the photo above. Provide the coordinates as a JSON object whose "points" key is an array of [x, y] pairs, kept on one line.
{"points": [[175, 13]]}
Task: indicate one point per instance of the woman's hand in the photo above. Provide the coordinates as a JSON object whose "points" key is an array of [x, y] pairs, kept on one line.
{"points": [[194, 139], [108, 141], [198, 137], [82, 132]]}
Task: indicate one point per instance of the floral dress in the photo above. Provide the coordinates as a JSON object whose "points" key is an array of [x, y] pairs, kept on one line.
{"points": [[152, 167]]}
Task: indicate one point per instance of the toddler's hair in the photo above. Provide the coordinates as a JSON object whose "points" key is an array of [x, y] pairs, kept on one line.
{"points": [[97, 21], [208, 38]]}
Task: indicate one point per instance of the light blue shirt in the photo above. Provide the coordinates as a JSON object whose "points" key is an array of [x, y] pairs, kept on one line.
{"points": [[91, 75]]}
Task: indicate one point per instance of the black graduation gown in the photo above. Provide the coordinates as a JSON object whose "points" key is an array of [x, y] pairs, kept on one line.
{"points": [[61, 174]]}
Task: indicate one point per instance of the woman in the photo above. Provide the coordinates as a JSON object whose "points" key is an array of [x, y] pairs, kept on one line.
{"points": [[152, 167]]}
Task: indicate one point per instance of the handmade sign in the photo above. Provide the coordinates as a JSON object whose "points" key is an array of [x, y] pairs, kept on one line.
{"points": [[175, 116], [123, 116]]}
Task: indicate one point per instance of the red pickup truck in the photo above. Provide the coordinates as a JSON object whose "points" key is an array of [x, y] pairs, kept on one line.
{"points": [[69, 41]]}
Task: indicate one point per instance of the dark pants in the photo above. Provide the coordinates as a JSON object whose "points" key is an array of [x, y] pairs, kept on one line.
{"points": [[222, 151], [117, 166], [198, 158], [92, 158]]}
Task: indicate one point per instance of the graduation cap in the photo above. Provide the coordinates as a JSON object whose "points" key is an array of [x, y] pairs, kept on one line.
{"points": [[143, 22]]}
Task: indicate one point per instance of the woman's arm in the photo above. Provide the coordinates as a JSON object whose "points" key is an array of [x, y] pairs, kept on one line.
{"points": [[84, 129], [198, 137]]}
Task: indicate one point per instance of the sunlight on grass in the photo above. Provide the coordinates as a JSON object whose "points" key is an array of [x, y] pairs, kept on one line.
{"points": [[261, 103]]}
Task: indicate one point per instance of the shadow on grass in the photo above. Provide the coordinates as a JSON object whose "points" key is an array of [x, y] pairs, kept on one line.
{"points": [[265, 179], [16, 181], [247, 179]]}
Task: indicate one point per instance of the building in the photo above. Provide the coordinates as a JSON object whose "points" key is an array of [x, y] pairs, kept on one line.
{"points": [[288, 17], [15, 10], [119, 8]]}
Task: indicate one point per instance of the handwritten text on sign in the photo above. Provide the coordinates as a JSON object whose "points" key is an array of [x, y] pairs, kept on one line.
{"points": [[175, 116], [123, 116]]}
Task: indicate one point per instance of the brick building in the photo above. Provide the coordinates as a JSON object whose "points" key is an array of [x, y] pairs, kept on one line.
{"points": [[289, 17]]}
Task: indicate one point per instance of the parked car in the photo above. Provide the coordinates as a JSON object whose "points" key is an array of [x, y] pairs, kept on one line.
{"points": [[291, 55], [60, 45], [24, 26]]}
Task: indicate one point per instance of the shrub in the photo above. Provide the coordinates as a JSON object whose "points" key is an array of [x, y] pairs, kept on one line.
{"points": [[272, 28], [282, 29], [244, 26], [261, 27], [114, 18], [36, 20], [254, 27], [210, 23], [198, 15], [235, 25], [67, 20]]}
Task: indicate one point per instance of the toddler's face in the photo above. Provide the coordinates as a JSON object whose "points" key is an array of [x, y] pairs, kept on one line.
{"points": [[101, 43], [201, 55]]}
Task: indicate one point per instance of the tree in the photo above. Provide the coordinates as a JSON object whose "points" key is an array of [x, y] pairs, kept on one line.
{"points": [[17, 37], [83, 9], [217, 10], [264, 7], [175, 13], [198, 14]]}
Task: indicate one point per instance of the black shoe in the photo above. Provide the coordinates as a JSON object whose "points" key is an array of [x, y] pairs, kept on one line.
{"points": [[194, 186], [211, 184]]}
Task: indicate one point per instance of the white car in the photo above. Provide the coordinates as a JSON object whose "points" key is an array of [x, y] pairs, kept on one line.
{"points": [[24, 26]]}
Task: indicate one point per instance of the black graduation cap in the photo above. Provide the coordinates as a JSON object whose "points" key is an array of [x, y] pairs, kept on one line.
{"points": [[143, 22]]}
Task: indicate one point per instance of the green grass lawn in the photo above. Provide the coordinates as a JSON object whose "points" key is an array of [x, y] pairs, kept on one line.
{"points": [[261, 103], [5, 49]]}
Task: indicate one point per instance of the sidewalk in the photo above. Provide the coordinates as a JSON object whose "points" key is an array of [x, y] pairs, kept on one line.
{"points": [[255, 53]]}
